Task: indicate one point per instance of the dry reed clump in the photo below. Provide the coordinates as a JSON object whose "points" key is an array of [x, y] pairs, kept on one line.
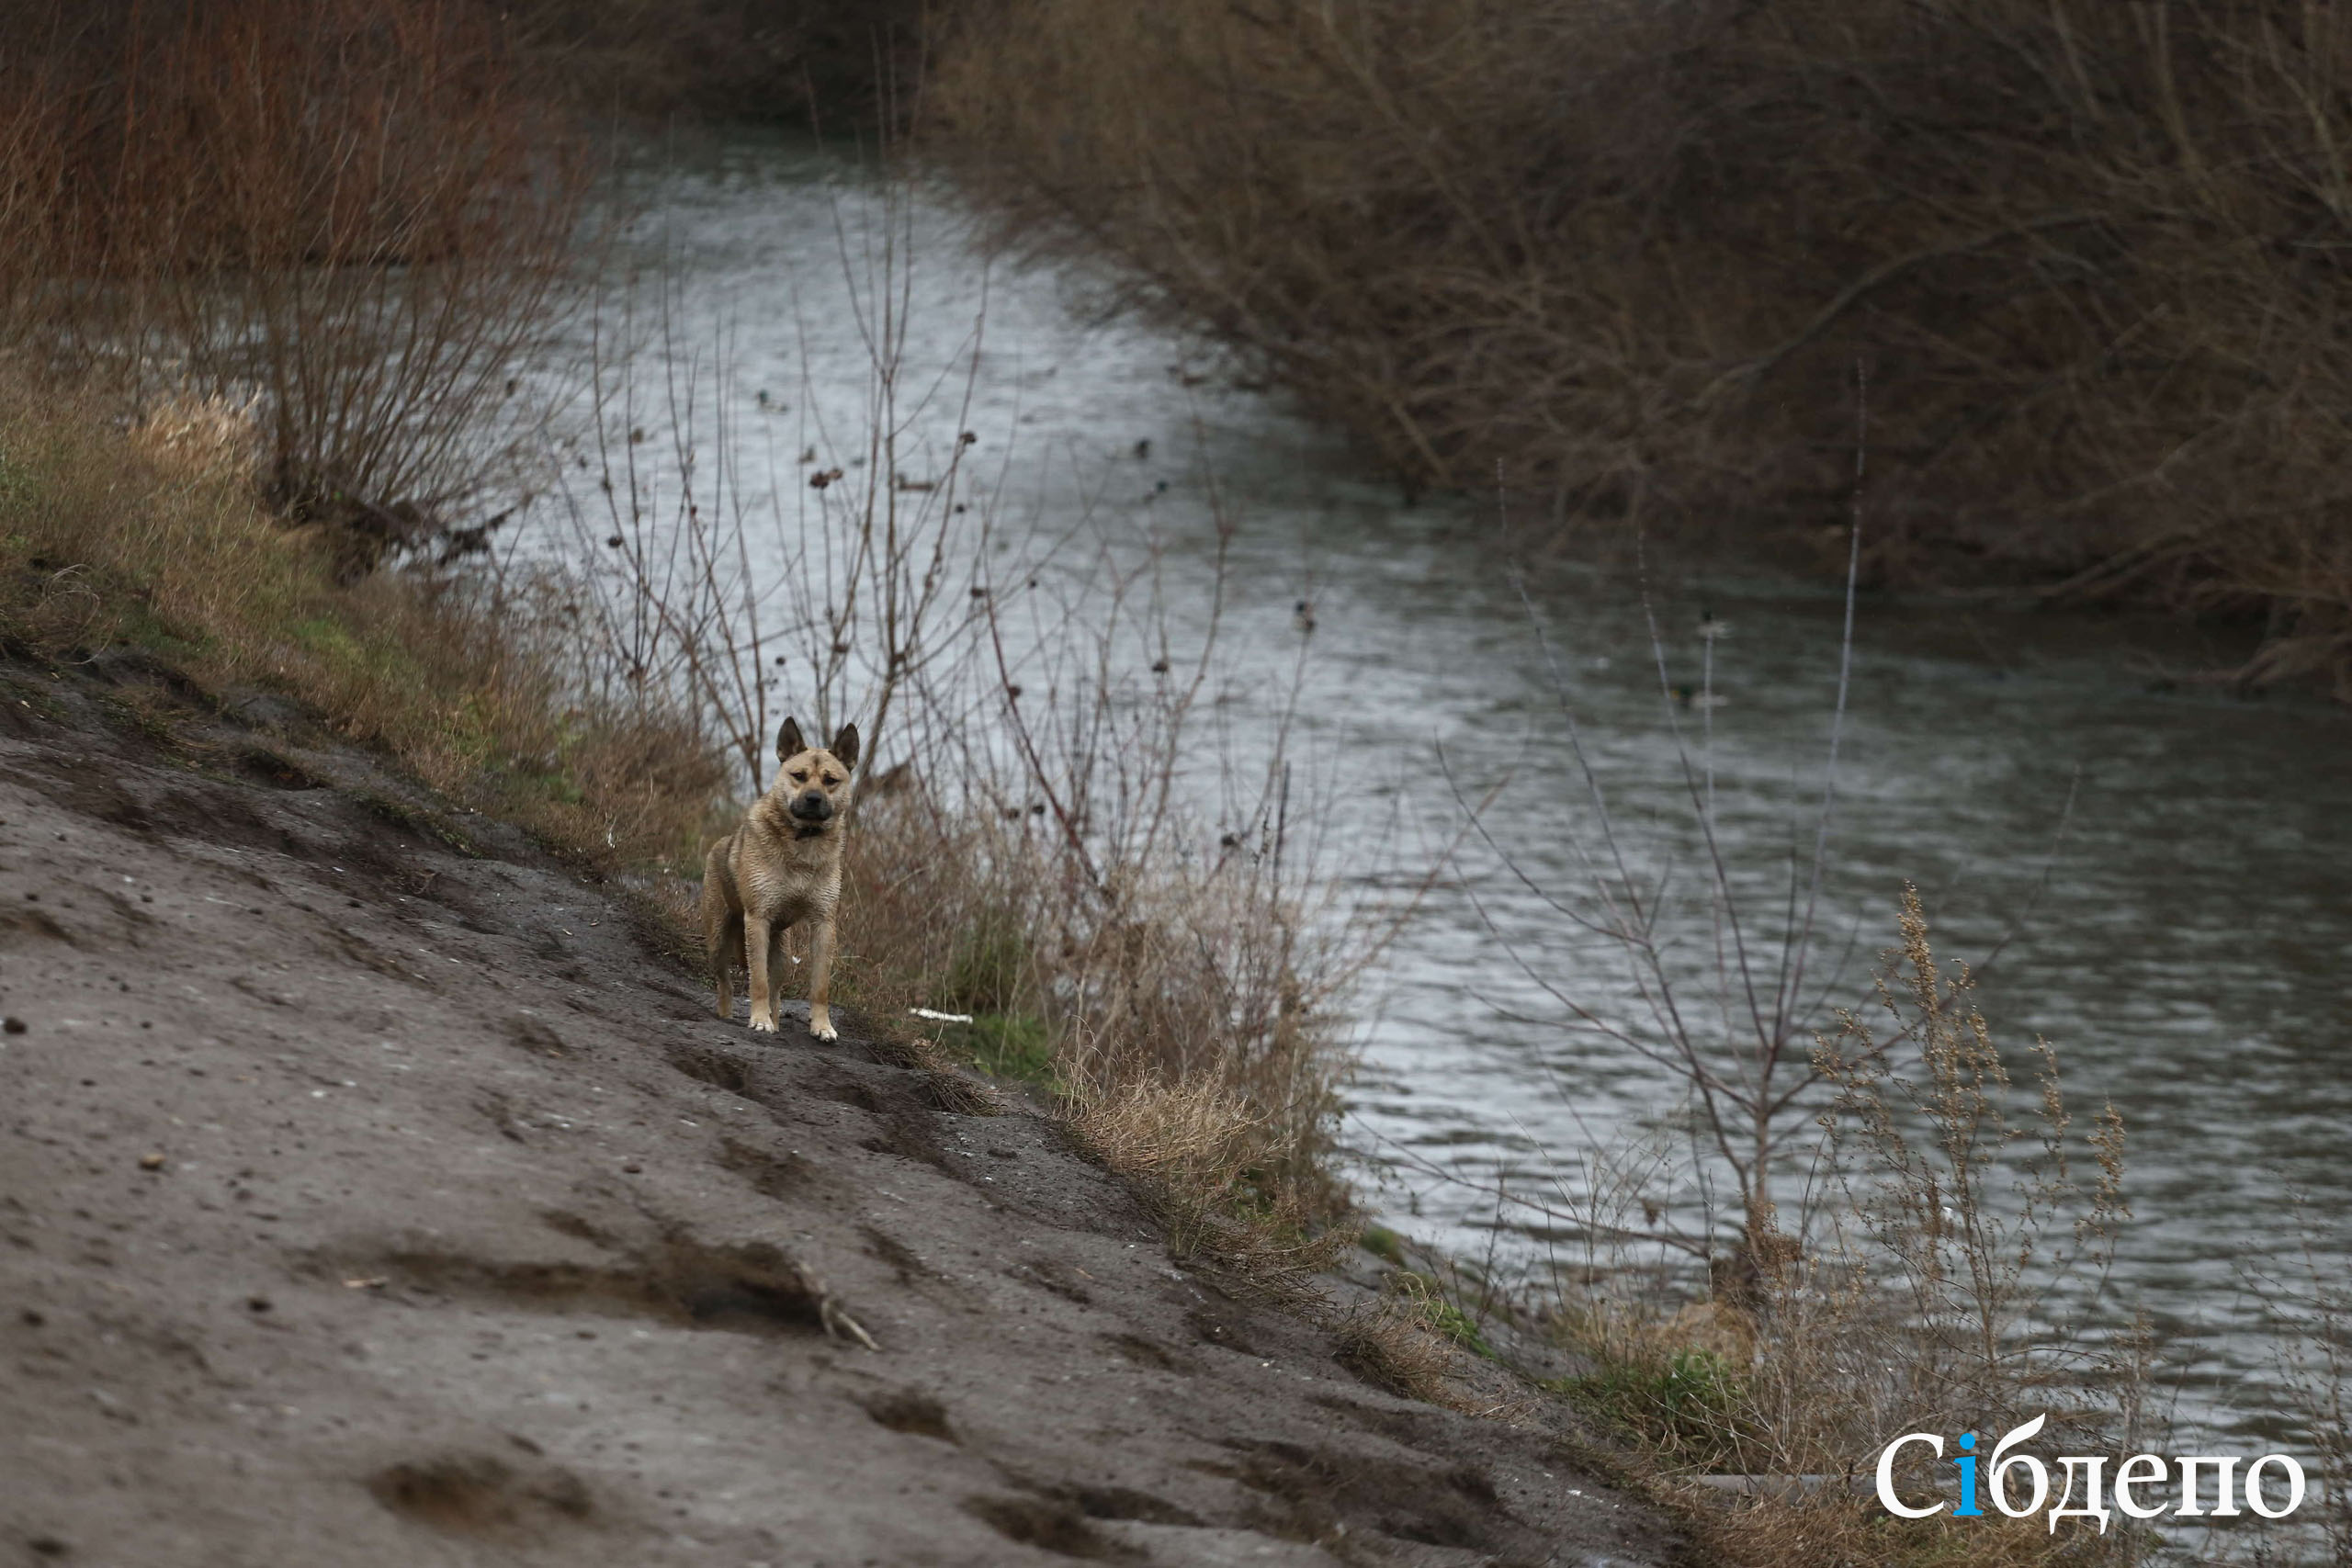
{"points": [[1955, 1267], [207, 438], [2310, 1308], [154, 537], [1166, 1035], [1392, 1339], [2092, 253]]}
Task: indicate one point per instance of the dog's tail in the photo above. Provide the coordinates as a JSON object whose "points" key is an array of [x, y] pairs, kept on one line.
{"points": [[712, 850]]}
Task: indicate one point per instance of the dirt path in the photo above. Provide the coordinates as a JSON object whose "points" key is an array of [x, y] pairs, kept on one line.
{"points": [[366, 1201]]}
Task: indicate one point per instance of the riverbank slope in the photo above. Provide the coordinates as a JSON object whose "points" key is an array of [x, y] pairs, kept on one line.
{"points": [[373, 1191]]}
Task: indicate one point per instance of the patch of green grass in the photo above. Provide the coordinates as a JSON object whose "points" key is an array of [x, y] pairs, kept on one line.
{"points": [[986, 976], [360, 658], [1441, 1313], [1009, 1045], [20, 485], [137, 623], [991, 961], [1688, 1409], [1383, 1244], [326, 634], [1455, 1324]]}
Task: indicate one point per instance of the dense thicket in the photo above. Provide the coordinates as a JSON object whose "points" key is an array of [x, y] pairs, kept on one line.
{"points": [[2092, 253], [829, 66]]}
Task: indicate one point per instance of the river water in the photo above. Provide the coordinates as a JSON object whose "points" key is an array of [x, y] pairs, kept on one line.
{"points": [[2182, 934]]}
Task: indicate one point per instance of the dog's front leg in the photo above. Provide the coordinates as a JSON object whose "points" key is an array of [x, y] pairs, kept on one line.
{"points": [[757, 940], [820, 981]]}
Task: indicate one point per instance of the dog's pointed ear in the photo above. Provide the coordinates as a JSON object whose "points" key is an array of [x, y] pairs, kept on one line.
{"points": [[844, 746], [788, 743]]}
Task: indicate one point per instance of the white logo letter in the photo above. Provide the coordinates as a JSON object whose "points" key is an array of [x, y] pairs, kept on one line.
{"points": [[2294, 1486], [2001, 1467], [1886, 1497]]}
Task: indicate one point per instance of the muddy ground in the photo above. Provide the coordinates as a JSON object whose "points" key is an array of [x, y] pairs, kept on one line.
{"points": [[372, 1193]]}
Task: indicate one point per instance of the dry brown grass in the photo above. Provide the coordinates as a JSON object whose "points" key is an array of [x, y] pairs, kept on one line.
{"points": [[2091, 252], [1953, 1279], [156, 537], [1828, 1526], [1391, 1339], [1168, 1037]]}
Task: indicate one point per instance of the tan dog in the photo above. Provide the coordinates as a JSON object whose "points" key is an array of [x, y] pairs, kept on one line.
{"points": [[781, 868]]}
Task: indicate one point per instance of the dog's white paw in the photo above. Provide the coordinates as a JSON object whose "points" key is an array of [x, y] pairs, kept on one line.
{"points": [[822, 1028], [763, 1023]]}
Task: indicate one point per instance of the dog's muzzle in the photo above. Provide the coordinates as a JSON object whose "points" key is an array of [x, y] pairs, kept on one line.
{"points": [[813, 806]]}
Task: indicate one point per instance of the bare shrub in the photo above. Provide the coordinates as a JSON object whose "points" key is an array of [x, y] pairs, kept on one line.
{"points": [[1955, 1281], [855, 575], [1729, 1025], [353, 215], [2090, 250], [1188, 999], [1961, 1282]]}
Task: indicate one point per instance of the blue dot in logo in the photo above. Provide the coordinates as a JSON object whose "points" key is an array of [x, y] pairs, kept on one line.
{"points": [[1968, 1439]]}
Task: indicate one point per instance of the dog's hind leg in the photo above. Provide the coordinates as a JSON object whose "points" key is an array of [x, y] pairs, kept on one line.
{"points": [[722, 924], [724, 956], [820, 981]]}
